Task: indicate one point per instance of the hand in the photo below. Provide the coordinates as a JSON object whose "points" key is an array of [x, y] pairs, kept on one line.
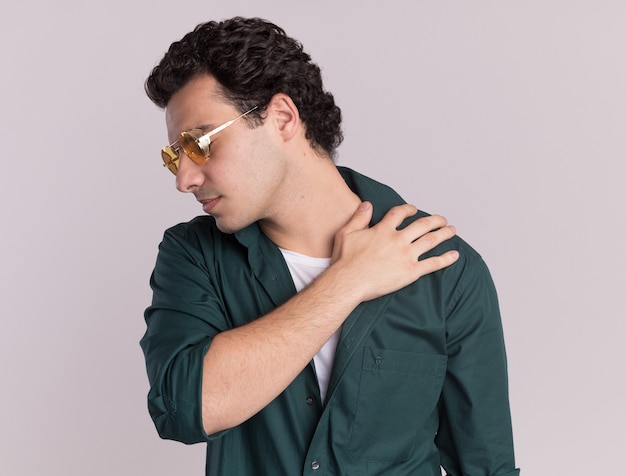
{"points": [[382, 259]]}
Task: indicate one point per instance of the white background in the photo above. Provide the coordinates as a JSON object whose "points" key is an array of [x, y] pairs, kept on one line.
{"points": [[508, 117]]}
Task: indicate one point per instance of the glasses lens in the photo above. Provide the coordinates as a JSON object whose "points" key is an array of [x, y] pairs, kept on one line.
{"points": [[170, 159], [189, 142]]}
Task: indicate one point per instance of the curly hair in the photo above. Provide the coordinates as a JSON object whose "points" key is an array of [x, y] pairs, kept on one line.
{"points": [[252, 60]]}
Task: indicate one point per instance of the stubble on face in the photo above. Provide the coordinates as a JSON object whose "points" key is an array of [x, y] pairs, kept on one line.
{"points": [[244, 179]]}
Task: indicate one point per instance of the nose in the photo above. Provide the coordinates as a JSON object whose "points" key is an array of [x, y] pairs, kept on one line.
{"points": [[189, 176]]}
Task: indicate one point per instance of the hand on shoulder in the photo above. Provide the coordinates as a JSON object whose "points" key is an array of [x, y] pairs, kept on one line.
{"points": [[381, 259]]}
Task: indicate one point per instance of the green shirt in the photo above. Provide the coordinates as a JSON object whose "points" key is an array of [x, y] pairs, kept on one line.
{"points": [[419, 378]]}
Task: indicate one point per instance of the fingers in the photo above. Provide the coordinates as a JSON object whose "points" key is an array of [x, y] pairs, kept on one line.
{"points": [[396, 215], [421, 227], [423, 239], [435, 263], [423, 235]]}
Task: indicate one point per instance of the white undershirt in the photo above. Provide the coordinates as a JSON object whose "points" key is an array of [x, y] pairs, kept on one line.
{"points": [[304, 269]]}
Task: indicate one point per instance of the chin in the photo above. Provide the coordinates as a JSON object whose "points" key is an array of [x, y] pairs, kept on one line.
{"points": [[229, 227]]}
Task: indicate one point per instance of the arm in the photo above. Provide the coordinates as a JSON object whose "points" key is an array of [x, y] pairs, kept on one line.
{"points": [[475, 436], [241, 375], [246, 367]]}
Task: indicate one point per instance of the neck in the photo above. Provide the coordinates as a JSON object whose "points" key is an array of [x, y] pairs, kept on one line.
{"points": [[318, 204]]}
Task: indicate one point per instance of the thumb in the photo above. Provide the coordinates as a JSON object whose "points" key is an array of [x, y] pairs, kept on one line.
{"points": [[360, 220]]}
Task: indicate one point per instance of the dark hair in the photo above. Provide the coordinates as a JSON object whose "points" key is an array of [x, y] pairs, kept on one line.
{"points": [[252, 60]]}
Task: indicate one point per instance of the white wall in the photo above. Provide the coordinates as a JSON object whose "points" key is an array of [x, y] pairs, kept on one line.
{"points": [[508, 117]]}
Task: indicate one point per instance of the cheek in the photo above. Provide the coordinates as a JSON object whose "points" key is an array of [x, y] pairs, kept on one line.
{"points": [[247, 167], [221, 173]]}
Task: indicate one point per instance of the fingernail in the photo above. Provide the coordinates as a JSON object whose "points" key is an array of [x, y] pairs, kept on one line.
{"points": [[364, 206]]}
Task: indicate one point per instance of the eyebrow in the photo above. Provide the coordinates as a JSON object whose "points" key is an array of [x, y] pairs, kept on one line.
{"points": [[205, 128]]}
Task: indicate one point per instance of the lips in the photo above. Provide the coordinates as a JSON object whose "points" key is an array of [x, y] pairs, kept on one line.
{"points": [[209, 203]]}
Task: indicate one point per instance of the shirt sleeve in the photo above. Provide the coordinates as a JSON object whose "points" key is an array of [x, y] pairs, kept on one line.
{"points": [[475, 435], [184, 317]]}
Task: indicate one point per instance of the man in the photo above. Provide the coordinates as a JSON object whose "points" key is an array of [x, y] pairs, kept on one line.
{"points": [[313, 323]]}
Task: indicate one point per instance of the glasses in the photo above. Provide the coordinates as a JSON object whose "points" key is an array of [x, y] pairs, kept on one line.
{"points": [[195, 143]]}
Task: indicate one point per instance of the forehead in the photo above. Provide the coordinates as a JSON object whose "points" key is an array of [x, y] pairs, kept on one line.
{"points": [[197, 104]]}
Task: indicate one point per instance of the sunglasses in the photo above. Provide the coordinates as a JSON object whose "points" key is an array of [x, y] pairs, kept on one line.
{"points": [[195, 143]]}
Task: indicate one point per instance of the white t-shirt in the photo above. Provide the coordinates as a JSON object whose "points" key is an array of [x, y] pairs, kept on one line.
{"points": [[305, 269]]}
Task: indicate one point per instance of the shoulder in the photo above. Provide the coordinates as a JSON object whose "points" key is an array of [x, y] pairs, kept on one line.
{"points": [[384, 198], [198, 232], [198, 240], [196, 227], [468, 276]]}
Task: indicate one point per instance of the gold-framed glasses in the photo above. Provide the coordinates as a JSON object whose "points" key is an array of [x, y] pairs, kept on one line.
{"points": [[195, 143]]}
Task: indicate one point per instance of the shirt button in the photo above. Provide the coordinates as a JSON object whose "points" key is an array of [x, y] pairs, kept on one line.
{"points": [[315, 466], [309, 400]]}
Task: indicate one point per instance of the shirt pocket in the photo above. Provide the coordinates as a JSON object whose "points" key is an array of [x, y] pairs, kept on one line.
{"points": [[398, 392]]}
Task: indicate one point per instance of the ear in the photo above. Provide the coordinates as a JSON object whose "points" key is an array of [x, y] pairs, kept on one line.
{"points": [[284, 114]]}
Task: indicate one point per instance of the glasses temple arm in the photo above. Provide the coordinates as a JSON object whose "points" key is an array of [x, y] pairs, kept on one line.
{"points": [[224, 126]]}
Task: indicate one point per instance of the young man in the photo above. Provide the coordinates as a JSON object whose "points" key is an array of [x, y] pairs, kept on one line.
{"points": [[313, 322]]}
